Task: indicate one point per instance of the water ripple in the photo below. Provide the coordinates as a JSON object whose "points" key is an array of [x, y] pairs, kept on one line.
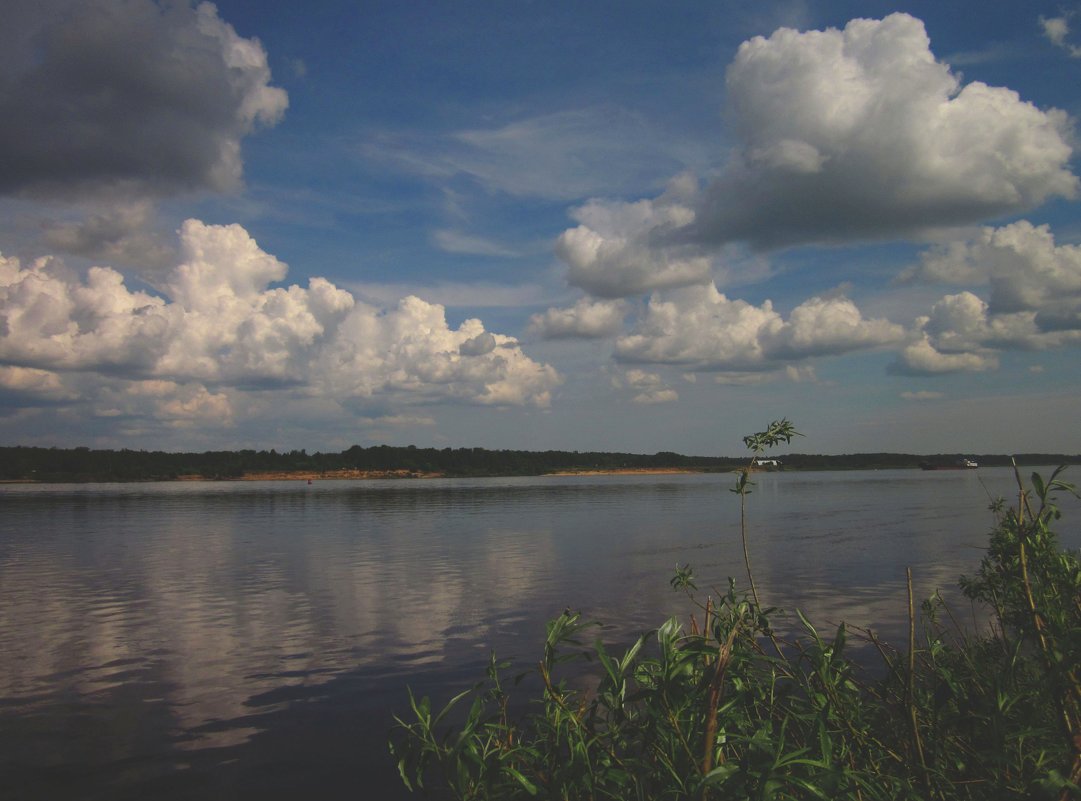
{"points": [[184, 635]]}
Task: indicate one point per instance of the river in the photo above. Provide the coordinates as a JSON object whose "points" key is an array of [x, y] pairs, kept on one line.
{"points": [[251, 640]]}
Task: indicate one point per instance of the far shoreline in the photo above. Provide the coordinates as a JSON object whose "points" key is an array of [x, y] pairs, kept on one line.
{"points": [[37, 465], [379, 475]]}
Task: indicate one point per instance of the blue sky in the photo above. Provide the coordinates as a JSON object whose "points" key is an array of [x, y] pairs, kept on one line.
{"points": [[627, 226]]}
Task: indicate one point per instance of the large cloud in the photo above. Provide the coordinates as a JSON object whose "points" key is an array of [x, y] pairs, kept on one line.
{"points": [[410, 353], [223, 325], [127, 97], [619, 249], [1034, 299], [963, 334], [1023, 266], [842, 135], [700, 328], [861, 132]]}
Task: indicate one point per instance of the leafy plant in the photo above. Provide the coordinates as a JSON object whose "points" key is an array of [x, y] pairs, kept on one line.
{"points": [[776, 432], [707, 713]]}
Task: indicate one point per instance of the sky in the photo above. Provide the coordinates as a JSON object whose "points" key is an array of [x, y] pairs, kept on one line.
{"points": [[621, 226]]}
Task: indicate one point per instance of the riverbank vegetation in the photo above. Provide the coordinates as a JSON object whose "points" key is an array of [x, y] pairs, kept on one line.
{"points": [[724, 708], [21, 463]]}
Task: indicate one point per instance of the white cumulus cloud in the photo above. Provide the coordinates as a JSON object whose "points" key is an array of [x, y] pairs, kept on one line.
{"points": [[701, 328], [586, 319], [862, 132], [962, 335], [825, 326], [1024, 267], [622, 249], [842, 135], [1034, 289], [223, 322]]}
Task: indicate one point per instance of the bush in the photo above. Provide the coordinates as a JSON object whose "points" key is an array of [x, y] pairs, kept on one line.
{"points": [[726, 710]]}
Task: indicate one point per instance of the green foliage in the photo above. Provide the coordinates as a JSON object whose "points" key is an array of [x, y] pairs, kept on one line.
{"points": [[683, 579], [777, 432], [708, 713]]}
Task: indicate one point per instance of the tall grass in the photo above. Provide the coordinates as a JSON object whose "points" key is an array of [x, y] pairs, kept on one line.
{"points": [[716, 711]]}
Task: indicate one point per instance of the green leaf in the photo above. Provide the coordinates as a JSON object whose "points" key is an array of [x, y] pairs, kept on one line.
{"points": [[527, 785], [632, 652], [720, 774], [807, 625]]}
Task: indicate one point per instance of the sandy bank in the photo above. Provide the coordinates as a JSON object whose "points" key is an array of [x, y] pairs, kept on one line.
{"points": [[627, 471], [322, 475]]}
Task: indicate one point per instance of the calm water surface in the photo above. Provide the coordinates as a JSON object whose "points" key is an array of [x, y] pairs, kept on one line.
{"points": [[251, 640]]}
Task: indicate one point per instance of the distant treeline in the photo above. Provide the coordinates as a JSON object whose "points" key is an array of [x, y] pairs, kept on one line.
{"points": [[84, 464]]}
